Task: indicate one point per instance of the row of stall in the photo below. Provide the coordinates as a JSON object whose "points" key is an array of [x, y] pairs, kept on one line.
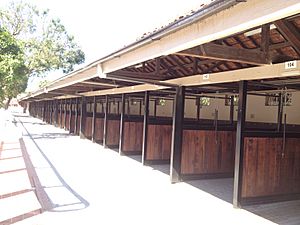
{"points": [[262, 158]]}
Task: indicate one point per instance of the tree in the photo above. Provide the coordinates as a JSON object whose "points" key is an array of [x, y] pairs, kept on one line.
{"points": [[13, 79], [43, 45]]}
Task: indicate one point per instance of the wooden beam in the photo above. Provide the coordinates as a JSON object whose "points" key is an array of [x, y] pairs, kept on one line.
{"points": [[195, 66], [168, 69], [239, 147], [180, 65], [177, 131], [140, 75], [226, 53], [253, 73], [290, 33], [265, 40], [157, 66], [280, 45], [122, 124], [145, 127], [99, 83]]}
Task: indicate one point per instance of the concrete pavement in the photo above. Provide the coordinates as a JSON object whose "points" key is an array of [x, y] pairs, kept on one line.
{"points": [[79, 182]]}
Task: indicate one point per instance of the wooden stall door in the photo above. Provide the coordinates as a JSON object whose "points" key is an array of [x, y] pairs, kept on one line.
{"points": [[269, 169], [113, 133], [72, 125], [132, 137], [159, 139], [78, 124], [67, 121], [99, 126], [206, 152], [88, 127], [63, 120]]}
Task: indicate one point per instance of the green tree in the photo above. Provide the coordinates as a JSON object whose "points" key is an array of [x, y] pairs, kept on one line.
{"points": [[48, 44], [43, 45], [13, 78]]}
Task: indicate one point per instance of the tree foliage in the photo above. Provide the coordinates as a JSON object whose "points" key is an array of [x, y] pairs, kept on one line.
{"points": [[32, 44], [13, 79]]}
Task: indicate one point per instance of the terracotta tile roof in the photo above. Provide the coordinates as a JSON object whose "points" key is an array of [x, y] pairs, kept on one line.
{"points": [[190, 12]]}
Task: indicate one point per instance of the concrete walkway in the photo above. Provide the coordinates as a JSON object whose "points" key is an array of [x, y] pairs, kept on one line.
{"points": [[79, 182], [18, 199]]}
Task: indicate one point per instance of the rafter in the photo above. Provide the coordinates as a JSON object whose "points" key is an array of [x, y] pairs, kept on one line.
{"points": [[227, 53], [181, 66], [290, 33], [265, 39], [170, 70]]}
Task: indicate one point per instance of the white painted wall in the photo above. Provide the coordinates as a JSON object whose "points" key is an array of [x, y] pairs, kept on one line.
{"points": [[256, 109]]}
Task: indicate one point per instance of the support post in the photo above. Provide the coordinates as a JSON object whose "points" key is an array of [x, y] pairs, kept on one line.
{"points": [[198, 108], [145, 127], [76, 117], [44, 106], [105, 121], [94, 119], [55, 112], [51, 111], [239, 149], [122, 123], [60, 113], [177, 130], [65, 114], [70, 115], [155, 107], [140, 107], [82, 117], [231, 109]]}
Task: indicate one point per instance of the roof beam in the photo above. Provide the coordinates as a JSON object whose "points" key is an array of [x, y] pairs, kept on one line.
{"points": [[227, 53], [138, 75], [254, 73], [290, 33], [279, 45], [265, 40], [99, 83]]}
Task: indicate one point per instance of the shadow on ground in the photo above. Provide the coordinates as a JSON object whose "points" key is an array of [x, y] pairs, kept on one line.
{"points": [[48, 135], [43, 197]]}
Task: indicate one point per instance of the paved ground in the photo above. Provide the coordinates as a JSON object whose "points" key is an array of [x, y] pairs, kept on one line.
{"points": [[78, 182]]}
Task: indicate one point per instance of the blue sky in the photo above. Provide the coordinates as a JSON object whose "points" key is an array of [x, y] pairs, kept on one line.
{"points": [[101, 27]]}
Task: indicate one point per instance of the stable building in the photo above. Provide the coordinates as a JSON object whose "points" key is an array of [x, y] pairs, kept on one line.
{"points": [[214, 94]]}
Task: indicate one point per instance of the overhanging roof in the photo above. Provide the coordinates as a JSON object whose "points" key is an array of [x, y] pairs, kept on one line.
{"points": [[208, 24]]}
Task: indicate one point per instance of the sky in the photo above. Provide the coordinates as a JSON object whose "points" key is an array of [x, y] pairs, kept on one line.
{"points": [[101, 27]]}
